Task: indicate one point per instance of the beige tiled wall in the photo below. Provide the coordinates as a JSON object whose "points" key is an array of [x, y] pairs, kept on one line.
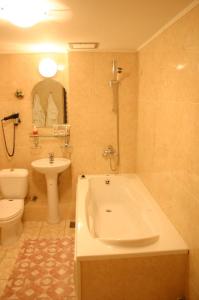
{"points": [[20, 71], [168, 129], [90, 111], [86, 77], [137, 278]]}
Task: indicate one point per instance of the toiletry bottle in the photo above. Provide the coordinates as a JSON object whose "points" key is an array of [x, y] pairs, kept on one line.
{"points": [[34, 130]]}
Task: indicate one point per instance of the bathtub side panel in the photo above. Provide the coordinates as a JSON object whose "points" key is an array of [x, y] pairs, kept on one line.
{"points": [[152, 278]]}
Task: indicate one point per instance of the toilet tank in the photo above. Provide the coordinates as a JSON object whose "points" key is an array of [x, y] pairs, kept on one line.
{"points": [[14, 183]]}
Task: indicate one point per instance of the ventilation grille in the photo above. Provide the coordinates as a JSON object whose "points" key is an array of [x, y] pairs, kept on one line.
{"points": [[83, 46]]}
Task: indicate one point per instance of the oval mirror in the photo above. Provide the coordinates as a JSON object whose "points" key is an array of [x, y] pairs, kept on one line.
{"points": [[49, 104]]}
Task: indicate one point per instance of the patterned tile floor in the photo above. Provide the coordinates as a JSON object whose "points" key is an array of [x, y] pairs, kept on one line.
{"points": [[32, 230]]}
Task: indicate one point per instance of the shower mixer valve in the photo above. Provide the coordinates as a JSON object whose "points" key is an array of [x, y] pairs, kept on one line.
{"points": [[109, 151]]}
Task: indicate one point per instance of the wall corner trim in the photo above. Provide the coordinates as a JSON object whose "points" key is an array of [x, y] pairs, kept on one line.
{"points": [[182, 13]]}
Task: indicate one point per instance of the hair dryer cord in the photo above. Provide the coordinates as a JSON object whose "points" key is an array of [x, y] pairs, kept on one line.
{"points": [[5, 142]]}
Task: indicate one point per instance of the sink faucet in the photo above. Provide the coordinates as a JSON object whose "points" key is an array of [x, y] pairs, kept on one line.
{"points": [[51, 157]]}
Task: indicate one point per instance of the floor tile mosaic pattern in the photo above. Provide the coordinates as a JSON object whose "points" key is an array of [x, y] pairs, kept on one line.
{"points": [[44, 269]]}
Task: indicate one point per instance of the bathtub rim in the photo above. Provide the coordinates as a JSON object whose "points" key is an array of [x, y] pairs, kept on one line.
{"points": [[93, 249]]}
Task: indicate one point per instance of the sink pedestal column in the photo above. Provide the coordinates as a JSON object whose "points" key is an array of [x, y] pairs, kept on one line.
{"points": [[53, 199]]}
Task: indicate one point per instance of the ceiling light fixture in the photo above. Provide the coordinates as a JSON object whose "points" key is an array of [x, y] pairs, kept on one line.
{"points": [[23, 13], [83, 46]]}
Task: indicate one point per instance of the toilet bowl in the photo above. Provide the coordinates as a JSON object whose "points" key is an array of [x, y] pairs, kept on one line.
{"points": [[14, 187]]}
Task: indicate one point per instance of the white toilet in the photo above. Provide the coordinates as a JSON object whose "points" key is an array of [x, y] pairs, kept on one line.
{"points": [[14, 188]]}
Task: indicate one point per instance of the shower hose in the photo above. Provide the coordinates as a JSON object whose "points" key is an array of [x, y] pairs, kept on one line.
{"points": [[113, 168]]}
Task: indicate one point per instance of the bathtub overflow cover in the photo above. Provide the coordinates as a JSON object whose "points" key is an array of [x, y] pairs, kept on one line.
{"points": [[108, 210]]}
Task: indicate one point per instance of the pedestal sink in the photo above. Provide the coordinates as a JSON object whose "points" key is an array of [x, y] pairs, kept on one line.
{"points": [[51, 169]]}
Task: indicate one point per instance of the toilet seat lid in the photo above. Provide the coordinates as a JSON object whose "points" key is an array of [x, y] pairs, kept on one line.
{"points": [[9, 208]]}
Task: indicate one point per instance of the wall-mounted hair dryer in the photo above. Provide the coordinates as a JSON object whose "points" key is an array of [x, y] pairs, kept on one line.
{"points": [[14, 116]]}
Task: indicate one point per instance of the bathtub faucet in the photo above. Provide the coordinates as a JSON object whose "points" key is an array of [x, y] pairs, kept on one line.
{"points": [[107, 181]]}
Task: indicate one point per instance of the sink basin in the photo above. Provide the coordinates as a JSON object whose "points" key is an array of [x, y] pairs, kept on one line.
{"points": [[51, 171], [45, 167]]}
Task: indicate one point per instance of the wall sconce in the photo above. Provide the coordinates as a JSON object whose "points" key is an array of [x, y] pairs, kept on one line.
{"points": [[47, 67]]}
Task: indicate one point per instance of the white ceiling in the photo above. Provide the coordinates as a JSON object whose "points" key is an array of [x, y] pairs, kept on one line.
{"points": [[118, 25]]}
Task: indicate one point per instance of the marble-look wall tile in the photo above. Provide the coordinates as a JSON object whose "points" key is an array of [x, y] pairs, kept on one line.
{"points": [[90, 111], [86, 78], [168, 129], [20, 71]]}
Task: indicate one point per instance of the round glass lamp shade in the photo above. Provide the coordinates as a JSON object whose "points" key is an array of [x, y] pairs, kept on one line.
{"points": [[47, 67]]}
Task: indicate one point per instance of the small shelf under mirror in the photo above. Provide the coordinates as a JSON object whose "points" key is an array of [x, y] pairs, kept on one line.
{"points": [[48, 135], [36, 139]]}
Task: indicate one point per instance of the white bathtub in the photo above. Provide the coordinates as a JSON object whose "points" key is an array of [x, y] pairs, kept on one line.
{"points": [[120, 227], [121, 219], [115, 214]]}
